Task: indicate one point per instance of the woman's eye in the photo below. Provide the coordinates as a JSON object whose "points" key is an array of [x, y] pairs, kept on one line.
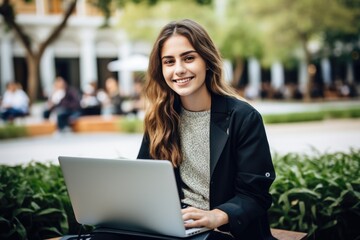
{"points": [[189, 58], [168, 61]]}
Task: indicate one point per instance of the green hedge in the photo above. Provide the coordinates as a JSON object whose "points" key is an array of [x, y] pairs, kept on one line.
{"points": [[312, 116], [131, 124], [12, 131], [318, 194], [33, 202], [135, 125]]}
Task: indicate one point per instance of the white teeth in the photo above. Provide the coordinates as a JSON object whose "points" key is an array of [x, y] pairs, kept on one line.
{"points": [[183, 80]]}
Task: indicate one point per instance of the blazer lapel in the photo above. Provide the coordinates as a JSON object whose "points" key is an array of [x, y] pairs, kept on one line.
{"points": [[219, 129]]}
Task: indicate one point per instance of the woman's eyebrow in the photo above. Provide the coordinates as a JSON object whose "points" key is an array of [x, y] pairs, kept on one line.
{"points": [[182, 54]]}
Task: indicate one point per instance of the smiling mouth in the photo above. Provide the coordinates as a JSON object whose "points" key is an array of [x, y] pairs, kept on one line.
{"points": [[182, 80]]}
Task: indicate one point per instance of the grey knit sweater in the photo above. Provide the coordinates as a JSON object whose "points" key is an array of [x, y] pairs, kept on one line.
{"points": [[195, 168]]}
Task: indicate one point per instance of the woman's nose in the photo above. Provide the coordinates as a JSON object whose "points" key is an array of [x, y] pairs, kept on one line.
{"points": [[180, 69]]}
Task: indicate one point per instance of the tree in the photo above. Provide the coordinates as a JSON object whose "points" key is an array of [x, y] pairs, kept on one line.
{"points": [[142, 22], [303, 21], [34, 51], [33, 54], [239, 38], [232, 32], [340, 42]]}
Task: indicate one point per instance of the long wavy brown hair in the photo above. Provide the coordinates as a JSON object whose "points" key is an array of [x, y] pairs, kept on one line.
{"points": [[162, 113]]}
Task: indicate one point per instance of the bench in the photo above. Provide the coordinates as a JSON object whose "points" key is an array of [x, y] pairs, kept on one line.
{"points": [[41, 128], [97, 123], [288, 235]]}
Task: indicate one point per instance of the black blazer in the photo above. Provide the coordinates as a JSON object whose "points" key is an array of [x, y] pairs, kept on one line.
{"points": [[240, 166]]}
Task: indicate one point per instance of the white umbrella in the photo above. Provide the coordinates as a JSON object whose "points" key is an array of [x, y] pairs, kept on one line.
{"points": [[132, 63]]}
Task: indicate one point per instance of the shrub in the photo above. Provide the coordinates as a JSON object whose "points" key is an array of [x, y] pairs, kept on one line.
{"points": [[293, 117], [33, 202], [131, 124], [318, 194], [312, 115], [342, 113], [12, 131]]}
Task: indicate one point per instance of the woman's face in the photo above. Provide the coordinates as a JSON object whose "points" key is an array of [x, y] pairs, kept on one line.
{"points": [[183, 68]]}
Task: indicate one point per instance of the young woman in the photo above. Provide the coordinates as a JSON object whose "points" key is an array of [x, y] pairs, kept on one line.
{"points": [[215, 141]]}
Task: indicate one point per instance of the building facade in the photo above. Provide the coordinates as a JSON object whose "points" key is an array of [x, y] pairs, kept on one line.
{"points": [[81, 54]]}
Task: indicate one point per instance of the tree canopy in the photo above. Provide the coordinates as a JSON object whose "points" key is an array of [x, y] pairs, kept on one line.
{"points": [[266, 29]]}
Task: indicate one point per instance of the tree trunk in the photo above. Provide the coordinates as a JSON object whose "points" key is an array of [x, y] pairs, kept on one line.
{"points": [[33, 62], [304, 43], [238, 72], [33, 58]]}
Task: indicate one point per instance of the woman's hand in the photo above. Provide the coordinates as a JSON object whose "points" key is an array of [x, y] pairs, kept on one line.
{"points": [[201, 218]]}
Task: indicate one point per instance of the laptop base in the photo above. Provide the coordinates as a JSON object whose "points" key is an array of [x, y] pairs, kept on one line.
{"points": [[114, 234], [123, 235], [132, 235]]}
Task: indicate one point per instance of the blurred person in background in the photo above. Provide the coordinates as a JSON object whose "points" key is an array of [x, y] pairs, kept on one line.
{"points": [[15, 102], [137, 99], [90, 103], [115, 96], [64, 104]]}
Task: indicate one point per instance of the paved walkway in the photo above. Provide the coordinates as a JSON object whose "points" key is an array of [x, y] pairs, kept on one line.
{"points": [[324, 136]]}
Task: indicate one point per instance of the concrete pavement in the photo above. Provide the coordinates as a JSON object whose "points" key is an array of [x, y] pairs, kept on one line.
{"points": [[324, 136]]}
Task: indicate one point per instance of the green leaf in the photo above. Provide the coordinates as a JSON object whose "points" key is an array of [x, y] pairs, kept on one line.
{"points": [[20, 229], [22, 210], [34, 205], [309, 192], [330, 224], [51, 230], [48, 211], [313, 211]]}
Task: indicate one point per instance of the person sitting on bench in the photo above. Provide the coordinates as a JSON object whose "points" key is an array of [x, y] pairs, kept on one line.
{"points": [[15, 102]]}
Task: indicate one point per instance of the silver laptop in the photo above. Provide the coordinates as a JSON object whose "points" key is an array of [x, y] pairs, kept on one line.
{"points": [[133, 195]]}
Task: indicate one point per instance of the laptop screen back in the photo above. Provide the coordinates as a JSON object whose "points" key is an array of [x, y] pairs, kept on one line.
{"points": [[136, 195]]}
